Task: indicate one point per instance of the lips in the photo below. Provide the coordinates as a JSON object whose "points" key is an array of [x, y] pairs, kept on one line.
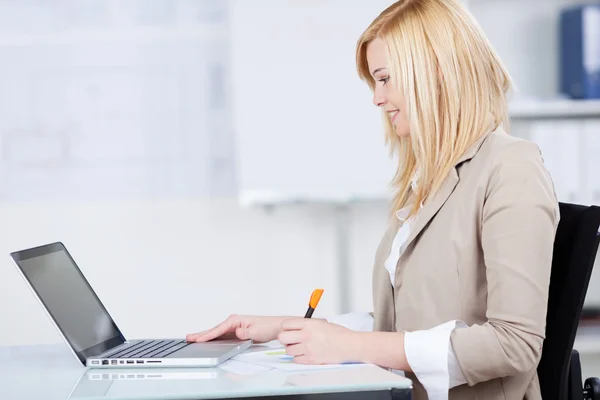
{"points": [[393, 115]]}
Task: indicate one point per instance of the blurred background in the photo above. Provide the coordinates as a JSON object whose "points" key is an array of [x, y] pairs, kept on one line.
{"points": [[206, 157]]}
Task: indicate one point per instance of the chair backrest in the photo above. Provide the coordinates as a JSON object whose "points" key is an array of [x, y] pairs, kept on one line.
{"points": [[575, 248]]}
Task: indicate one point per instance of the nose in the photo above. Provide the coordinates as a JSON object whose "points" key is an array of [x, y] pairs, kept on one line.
{"points": [[378, 99]]}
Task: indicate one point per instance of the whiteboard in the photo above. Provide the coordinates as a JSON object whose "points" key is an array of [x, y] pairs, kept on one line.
{"points": [[120, 99], [305, 125]]}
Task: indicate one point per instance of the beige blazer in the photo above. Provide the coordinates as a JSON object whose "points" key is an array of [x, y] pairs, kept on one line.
{"points": [[480, 252]]}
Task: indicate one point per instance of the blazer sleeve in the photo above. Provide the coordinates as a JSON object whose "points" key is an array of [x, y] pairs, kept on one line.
{"points": [[519, 220]]}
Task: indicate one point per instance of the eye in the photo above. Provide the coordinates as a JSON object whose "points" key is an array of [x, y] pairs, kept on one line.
{"points": [[384, 80]]}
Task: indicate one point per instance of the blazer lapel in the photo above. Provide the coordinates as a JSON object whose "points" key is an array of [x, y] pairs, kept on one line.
{"points": [[431, 207]]}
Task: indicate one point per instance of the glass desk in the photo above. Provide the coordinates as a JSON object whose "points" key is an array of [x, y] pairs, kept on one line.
{"points": [[51, 372]]}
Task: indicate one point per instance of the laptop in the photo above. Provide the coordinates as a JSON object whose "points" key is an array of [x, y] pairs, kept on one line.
{"points": [[88, 328]]}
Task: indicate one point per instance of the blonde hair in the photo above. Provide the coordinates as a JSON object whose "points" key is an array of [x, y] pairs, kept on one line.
{"points": [[453, 83]]}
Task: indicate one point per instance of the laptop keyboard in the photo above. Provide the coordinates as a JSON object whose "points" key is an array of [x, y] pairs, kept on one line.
{"points": [[149, 349]]}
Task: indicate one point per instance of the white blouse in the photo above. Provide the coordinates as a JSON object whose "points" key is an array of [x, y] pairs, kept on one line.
{"points": [[428, 352]]}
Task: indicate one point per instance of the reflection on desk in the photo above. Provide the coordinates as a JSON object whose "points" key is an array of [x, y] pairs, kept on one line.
{"points": [[51, 372]]}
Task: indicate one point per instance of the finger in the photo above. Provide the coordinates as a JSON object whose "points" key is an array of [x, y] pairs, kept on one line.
{"points": [[291, 337], [191, 337], [304, 360], [228, 336], [293, 324], [244, 333], [295, 350], [219, 330]]}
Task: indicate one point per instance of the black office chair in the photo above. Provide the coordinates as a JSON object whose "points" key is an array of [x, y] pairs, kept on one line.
{"points": [[575, 249]]}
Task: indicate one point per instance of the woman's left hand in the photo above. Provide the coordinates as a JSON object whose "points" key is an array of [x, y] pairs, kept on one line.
{"points": [[313, 341]]}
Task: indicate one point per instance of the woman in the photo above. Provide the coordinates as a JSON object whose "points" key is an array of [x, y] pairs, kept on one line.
{"points": [[461, 276]]}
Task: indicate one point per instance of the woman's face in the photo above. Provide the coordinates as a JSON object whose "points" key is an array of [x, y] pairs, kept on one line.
{"points": [[385, 94]]}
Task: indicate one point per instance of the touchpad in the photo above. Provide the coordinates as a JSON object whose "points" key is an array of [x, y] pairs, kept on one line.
{"points": [[204, 350]]}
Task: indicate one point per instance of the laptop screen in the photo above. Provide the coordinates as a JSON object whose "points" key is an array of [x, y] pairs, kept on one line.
{"points": [[69, 299]]}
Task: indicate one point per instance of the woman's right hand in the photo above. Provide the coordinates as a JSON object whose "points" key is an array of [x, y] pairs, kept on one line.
{"points": [[244, 327]]}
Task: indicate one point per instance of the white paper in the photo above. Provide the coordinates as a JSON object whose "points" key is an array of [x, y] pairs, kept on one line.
{"points": [[277, 359]]}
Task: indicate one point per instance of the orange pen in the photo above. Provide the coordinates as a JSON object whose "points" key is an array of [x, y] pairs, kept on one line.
{"points": [[314, 300]]}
